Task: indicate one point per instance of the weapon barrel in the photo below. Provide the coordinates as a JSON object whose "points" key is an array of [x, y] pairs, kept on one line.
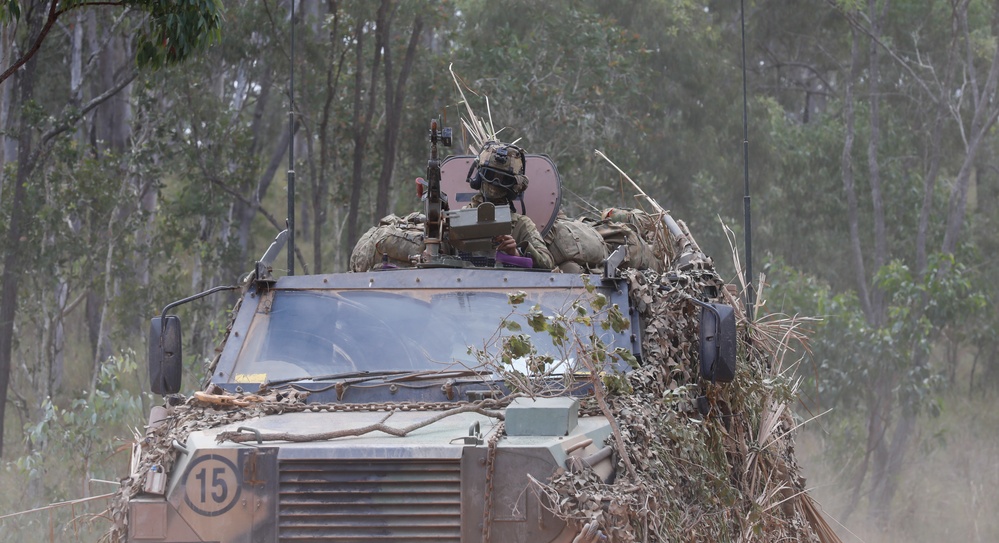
{"points": [[434, 201]]}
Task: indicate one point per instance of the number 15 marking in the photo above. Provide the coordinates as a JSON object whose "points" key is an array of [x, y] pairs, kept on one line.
{"points": [[217, 482], [211, 485]]}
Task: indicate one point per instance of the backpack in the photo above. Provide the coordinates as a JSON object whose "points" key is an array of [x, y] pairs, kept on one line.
{"points": [[575, 242], [395, 238], [640, 254], [648, 226]]}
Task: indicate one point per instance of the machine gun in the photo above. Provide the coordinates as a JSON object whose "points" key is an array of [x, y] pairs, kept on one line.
{"points": [[435, 204], [467, 230]]}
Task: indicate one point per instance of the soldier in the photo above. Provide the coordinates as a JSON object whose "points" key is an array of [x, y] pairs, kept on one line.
{"points": [[498, 175]]}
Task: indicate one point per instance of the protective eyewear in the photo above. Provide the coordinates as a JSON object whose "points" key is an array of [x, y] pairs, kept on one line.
{"points": [[497, 177]]}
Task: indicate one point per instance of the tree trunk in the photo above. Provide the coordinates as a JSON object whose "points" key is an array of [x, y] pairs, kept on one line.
{"points": [[880, 413], [76, 61], [986, 111], [886, 476], [321, 177], [362, 125], [111, 129], [55, 352], [8, 145], [12, 255], [394, 99], [249, 212], [860, 273], [102, 348], [873, 163], [112, 119], [57, 341], [245, 212], [936, 136]]}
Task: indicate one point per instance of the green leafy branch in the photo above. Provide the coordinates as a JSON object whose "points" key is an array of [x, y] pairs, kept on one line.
{"points": [[578, 334], [84, 422], [173, 32]]}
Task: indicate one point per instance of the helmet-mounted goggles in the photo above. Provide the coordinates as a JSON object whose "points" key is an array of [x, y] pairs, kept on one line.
{"points": [[500, 165], [495, 177]]}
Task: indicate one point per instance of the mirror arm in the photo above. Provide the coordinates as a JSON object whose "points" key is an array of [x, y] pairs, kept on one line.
{"points": [[172, 305], [212, 290]]}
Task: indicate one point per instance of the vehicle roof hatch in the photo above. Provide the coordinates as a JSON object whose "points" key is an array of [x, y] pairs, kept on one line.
{"points": [[541, 201]]}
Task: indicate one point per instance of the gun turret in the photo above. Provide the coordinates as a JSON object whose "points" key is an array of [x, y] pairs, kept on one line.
{"points": [[468, 231]]}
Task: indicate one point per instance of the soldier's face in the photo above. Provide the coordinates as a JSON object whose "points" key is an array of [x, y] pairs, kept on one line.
{"points": [[492, 192]]}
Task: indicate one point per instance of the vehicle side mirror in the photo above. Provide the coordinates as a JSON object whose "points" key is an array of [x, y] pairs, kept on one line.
{"points": [[718, 340], [165, 361]]}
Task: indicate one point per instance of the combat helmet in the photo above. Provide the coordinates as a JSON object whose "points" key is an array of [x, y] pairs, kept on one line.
{"points": [[498, 171]]}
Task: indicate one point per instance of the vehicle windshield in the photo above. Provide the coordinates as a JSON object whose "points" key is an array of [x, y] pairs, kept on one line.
{"points": [[316, 333]]}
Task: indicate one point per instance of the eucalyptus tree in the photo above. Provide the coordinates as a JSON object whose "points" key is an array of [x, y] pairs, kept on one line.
{"points": [[908, 98], [654, 85], [383, 79], [354, 103], [46, 117], [968, 109]]}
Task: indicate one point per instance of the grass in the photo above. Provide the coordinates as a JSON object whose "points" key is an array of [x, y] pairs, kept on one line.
{"points": [[949, 487]]}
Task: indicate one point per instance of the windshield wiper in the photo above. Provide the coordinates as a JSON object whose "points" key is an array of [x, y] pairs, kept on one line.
{"points": [[438, 374], [359, 375], [353, 377]]}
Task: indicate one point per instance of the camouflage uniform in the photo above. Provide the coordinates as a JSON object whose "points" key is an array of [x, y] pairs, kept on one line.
{"points": [[498, 173], [529, 240]]}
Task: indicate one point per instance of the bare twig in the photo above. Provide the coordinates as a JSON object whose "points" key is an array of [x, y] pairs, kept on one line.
{"points": [[477, 407], [57, 505], [480, 132], [601, 396]]}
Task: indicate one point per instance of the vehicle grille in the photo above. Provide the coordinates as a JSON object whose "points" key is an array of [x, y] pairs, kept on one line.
{"points": [[370, 500]]}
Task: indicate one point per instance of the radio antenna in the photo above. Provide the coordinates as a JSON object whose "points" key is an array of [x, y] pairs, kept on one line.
{"points": [[291, 151], [750, 292]]}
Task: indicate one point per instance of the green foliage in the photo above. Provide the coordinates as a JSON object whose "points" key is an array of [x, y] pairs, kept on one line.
{"points": [[851, 5], [11, 11], [859, 366], [630, 80], [946, 294], [578, 333], [851, 355], [176, 29], [84, 423], [68, 444]]}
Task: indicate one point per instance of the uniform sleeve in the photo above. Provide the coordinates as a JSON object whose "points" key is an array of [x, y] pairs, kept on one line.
{"points": [[529, 241]]}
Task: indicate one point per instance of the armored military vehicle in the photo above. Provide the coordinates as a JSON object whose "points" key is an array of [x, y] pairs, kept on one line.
{"points": [[393, 407]]}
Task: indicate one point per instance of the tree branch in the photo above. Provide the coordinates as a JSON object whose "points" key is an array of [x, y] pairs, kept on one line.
{"points": [[88, 4], [867, 31], [260, 208], [477, 407], [71, 119], [53, 15]]}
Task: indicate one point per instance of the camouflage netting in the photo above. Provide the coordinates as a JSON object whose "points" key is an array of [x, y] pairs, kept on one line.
{"points": [[729, 475], [196, 413]]}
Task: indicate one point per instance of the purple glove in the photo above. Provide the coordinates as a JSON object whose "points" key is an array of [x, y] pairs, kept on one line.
{"points": [[519, 261]]}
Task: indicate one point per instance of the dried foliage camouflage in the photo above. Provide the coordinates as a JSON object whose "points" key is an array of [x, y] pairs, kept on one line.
{"points": [[727, 475]]}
